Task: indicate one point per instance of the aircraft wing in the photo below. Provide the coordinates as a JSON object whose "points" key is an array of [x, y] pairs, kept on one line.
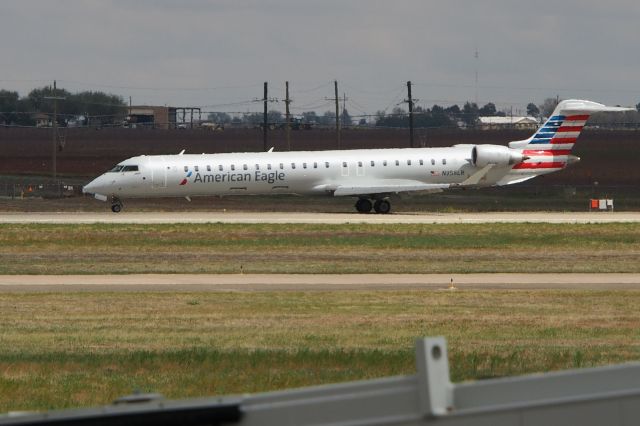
{"points": [[343, 190]]}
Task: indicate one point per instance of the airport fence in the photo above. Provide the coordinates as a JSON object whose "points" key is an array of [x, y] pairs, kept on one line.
{"points": [[39, 190]]}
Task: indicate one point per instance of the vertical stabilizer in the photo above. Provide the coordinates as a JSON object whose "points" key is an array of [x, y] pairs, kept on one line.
{"points": [[549, 149]]}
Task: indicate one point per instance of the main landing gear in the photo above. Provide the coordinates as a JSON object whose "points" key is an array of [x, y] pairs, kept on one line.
{"points": [[364, 205], [116, 204]]}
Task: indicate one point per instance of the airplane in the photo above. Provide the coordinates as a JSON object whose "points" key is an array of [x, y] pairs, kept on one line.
{"points": [[370, 175]]}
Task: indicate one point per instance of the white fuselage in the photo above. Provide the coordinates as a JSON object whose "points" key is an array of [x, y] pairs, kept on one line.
{"points": [[301, 172]]}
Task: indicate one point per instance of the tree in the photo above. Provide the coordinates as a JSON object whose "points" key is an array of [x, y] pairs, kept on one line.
{"points": [[274, 117], [548, 106], [345, 118], [397, 118], [99, 106], [253, 118], [327, 119], [532, 110], [8, 107], [470, 113], [488, 110]]}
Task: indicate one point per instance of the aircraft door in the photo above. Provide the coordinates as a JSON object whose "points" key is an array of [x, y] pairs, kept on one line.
{"points": [[345, 168], [159, 175]]}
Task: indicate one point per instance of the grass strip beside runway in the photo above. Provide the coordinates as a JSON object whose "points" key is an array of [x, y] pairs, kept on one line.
{"points": [[300, 248], [78, 349]]}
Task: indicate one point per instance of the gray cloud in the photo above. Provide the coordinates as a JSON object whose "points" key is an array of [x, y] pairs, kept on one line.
{"points": [[527, 51]]}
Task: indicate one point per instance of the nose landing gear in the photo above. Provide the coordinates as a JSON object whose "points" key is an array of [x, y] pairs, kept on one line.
{"points": [[116, 204]]}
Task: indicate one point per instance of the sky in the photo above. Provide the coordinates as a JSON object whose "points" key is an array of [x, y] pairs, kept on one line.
{"points": [[217, 54]]}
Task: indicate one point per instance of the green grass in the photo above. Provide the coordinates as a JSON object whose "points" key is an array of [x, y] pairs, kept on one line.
{"points": [[77, 349], [272, 248]]}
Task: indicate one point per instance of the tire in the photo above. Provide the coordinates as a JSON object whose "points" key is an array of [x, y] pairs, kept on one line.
{"points": [[363, 205], [116, 208], [382, 206]]}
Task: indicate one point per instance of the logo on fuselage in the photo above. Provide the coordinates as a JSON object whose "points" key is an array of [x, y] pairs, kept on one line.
{"points": [[184, 181]]}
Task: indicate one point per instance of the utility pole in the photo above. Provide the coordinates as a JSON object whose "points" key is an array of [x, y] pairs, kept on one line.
{"points": [[335, 86], [266, 123], [54, 152], [410, 101], [336, 99], [287, 101]]}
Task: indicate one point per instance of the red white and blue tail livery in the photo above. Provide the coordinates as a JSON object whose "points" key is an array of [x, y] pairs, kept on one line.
{"points": [[370, 175], [549, 149]]}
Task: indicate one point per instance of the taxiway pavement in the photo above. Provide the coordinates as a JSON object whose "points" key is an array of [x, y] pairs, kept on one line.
{"points": [[316, 282], [318, 218]]}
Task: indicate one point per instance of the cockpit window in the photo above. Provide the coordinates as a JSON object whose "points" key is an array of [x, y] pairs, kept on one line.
{"points": [[121, 168]]}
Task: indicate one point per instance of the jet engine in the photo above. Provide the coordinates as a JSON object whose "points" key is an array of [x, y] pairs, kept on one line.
{"points": [[483, 155]]}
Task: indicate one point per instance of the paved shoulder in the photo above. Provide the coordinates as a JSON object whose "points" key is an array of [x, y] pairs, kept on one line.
{"points": [[316, 282], [319, 218]]}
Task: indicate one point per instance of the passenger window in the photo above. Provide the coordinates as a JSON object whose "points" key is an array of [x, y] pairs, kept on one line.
{"points": [[233, 167], [359, 163], [408, 162], [384, 163], [315, 165], [196, 168], [208, 168], [186, 168], [344, 164], [421, 163], [433, 162], [268, 166], [373, 163], [397, 162], [220, 167], [257, 166], [293, 165], [304, 165], [244, 167], [281, 166], [444, 161], [326, 164]]}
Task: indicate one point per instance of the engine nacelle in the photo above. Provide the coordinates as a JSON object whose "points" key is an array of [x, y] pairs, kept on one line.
{"points": [[499, 155]]}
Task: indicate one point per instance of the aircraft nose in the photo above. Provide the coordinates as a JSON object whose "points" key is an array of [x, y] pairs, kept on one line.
{"points": [[89, 188], [95, 186]]}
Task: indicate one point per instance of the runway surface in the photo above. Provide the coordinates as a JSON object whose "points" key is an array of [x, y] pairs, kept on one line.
{"points": [[318, 218], [315, 282]]}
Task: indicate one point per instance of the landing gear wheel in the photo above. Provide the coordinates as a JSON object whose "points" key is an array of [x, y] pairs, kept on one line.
{"points": [[363, 205], [116, 205], [382, 206]]}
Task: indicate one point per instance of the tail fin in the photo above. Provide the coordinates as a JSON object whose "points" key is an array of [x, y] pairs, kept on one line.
{"points": [[550, 147]]}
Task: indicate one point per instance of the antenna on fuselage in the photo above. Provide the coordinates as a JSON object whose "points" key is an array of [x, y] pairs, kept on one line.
{"points": [[182, 152], [271, 150]]}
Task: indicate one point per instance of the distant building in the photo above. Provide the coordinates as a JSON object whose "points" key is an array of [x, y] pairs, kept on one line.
{"points": [[157, 117], [41, 119], [490, 123]]}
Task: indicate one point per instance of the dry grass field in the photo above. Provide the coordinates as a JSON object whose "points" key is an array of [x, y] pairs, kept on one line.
{"points": [[289, 248], [77, 349], [81, 348]]}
